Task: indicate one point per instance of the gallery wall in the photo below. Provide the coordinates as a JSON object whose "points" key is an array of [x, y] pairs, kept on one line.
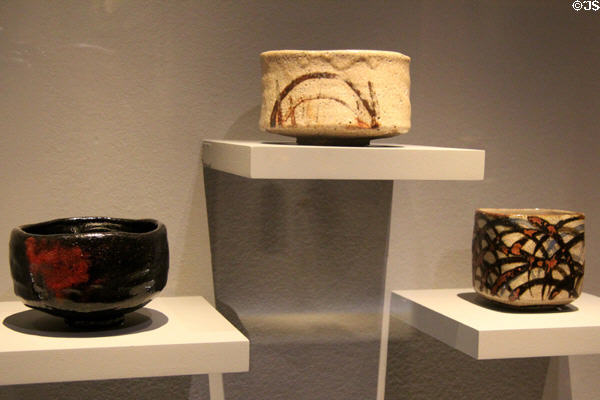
{"points": [[104, 105]]}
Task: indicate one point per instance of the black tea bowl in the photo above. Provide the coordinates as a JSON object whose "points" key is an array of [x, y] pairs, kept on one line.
{"points": [[89, 270]]}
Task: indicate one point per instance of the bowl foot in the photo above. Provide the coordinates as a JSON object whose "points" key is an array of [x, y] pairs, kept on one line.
{"points": [[95, 323], [524, 307]]}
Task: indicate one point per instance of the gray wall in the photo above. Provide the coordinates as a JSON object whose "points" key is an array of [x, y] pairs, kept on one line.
{"points": [[104, 104]]}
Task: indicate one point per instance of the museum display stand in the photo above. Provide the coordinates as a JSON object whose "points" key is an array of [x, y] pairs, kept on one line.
{"points": [[483, 330], [459, 318], [286, 160], [170, 336], [316, 326]]}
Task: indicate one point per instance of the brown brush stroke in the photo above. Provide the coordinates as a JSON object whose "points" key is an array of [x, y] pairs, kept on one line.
{"points": [[276, 113]]}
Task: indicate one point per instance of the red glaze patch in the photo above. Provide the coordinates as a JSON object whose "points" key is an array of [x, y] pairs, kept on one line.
{"points": [[529, 232], [551, 263], [536, 221], [59, 266], [516, 249]]}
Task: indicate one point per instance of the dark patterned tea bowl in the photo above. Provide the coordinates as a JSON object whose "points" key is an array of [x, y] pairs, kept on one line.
{"points": [[89, 270], [528, 258]]}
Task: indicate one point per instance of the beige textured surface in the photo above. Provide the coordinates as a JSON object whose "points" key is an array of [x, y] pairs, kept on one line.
{"points": [[335, 93]]}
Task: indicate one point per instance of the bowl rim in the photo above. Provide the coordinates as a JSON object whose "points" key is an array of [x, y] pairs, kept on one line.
{"points": [[22, 229], [343, 52], [528, 212]]}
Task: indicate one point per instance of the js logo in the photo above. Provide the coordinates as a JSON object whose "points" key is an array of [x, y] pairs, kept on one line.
{"points": [[586, 5]]}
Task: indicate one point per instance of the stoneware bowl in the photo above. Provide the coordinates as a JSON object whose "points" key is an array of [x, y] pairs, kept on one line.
{"points": [[335, 97], [528, 257], [90, 270]]}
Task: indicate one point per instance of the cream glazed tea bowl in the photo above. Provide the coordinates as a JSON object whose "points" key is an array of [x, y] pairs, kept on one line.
{"points": [[528, 258], [335, 97]]}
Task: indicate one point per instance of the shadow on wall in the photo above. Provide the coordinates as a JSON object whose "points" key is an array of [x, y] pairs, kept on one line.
{"points": [[194, 269], [299, 267], [298, 245], [453, 267], [422, 368], [246, 127], [196, 238]]}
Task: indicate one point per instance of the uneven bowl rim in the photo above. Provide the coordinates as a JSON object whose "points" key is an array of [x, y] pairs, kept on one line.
{"points": [[348, 52], [158, 226], [527, 212]]}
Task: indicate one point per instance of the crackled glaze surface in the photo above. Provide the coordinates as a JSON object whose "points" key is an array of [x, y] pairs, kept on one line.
{"points": [[528, 257], [338, 96]]}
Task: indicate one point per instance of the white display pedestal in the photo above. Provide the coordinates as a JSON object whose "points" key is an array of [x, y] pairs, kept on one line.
{"points": [[460, 319], [170, 336], [288, 161]]}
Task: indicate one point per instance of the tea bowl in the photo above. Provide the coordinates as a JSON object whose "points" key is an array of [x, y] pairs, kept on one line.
{"points": [[89, 270], [335, 97], [528, 258]]}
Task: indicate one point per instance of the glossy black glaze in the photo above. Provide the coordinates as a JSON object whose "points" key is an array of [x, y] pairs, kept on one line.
{"points": [[89, 270]]}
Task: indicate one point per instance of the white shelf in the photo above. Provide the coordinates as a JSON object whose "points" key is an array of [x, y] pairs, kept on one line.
{"points": [[170, 336], [461, 320], [286, 160]]}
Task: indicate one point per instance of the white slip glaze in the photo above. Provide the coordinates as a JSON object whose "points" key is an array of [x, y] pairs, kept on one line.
{"points": [[335, 94]]}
